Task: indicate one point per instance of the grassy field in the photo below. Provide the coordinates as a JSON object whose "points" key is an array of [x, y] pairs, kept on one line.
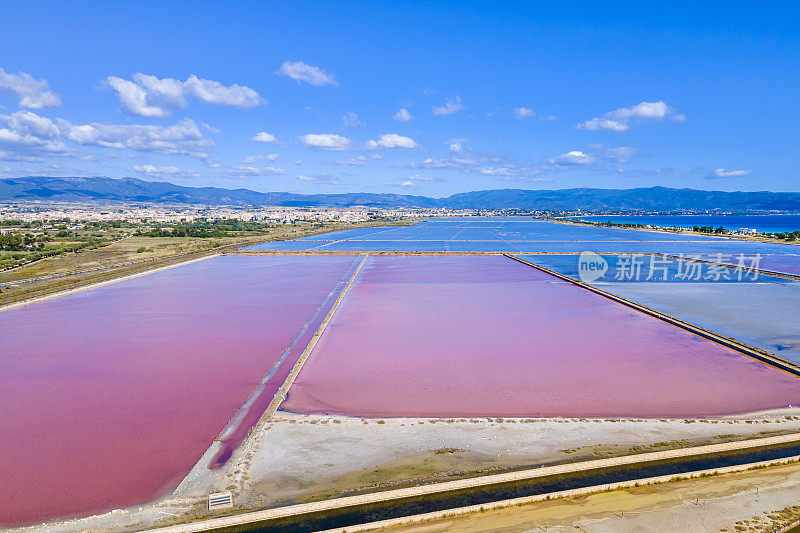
{"points": [[134, 254]]}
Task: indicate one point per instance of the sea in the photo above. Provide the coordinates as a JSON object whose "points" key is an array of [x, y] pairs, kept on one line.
{"points": [[760, 223]]}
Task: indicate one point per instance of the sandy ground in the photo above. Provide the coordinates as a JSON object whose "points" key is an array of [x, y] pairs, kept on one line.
{"points": [[757, 500], [305, 458], [295, 458]]}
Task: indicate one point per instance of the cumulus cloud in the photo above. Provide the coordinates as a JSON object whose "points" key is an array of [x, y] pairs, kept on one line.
{"points": [[32, 93], [149, 96], [573, 157], [325, 141], [623, 118], [449, 108], [403, 116], [159, 172], [724, 173], [391, 140], [183, 138], [303, 72], [599, 157], [31, 130], [523, 112], [264, 137], [456, 148]]}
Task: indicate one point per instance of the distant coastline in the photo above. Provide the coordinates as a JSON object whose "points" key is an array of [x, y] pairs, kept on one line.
{"points": [[773, 223]]}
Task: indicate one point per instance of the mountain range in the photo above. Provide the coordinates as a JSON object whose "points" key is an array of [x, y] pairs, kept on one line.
{"points": [[132, 190]]}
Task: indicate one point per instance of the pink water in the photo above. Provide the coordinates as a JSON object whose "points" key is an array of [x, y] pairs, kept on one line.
{"points": [[110, 396], [487, 336]]}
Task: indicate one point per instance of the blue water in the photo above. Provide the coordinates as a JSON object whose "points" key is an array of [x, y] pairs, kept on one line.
{"points": [[521, 234], [761, 223], [656, 269], [762, 312]]}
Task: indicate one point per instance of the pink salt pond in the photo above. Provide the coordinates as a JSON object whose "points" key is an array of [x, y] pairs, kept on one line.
{"points": [[445, 336], [109, 397]]}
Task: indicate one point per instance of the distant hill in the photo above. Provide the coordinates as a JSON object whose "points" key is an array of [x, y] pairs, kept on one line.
{"points": [[108, 190]]}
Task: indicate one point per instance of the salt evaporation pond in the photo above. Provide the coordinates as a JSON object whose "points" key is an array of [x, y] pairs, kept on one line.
{"points": [[520, 234], [444, 336], [761, 312], [109, 397], [787, 264]]}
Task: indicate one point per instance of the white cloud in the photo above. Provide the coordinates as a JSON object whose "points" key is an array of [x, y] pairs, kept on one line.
{"points": [[456, 148], [255, 158], [391, 140], [523, 112], [723, 173], [29, 123], [149, 96], [599, 157], [153, 171], [325, 141], [449, 108], [27, 147], [621, 119], [303, 72], [32, 93], [134, 98], [183, 138], [574, 157], [246, 170], [603, 124], [213, 92], [351, 120], [403, 116], [28, 129], [264, 137]]}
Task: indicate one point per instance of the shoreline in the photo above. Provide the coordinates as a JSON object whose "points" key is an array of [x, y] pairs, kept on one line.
{"points": [[681, 231]]}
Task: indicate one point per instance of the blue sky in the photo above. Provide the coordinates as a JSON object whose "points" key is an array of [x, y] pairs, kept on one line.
{"points": [[514, 95]]}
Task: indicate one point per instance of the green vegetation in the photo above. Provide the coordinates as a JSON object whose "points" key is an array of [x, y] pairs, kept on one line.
{"points": [[66, 255], [708, 229], [793, 236], [23, 243], [204, 229]]}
